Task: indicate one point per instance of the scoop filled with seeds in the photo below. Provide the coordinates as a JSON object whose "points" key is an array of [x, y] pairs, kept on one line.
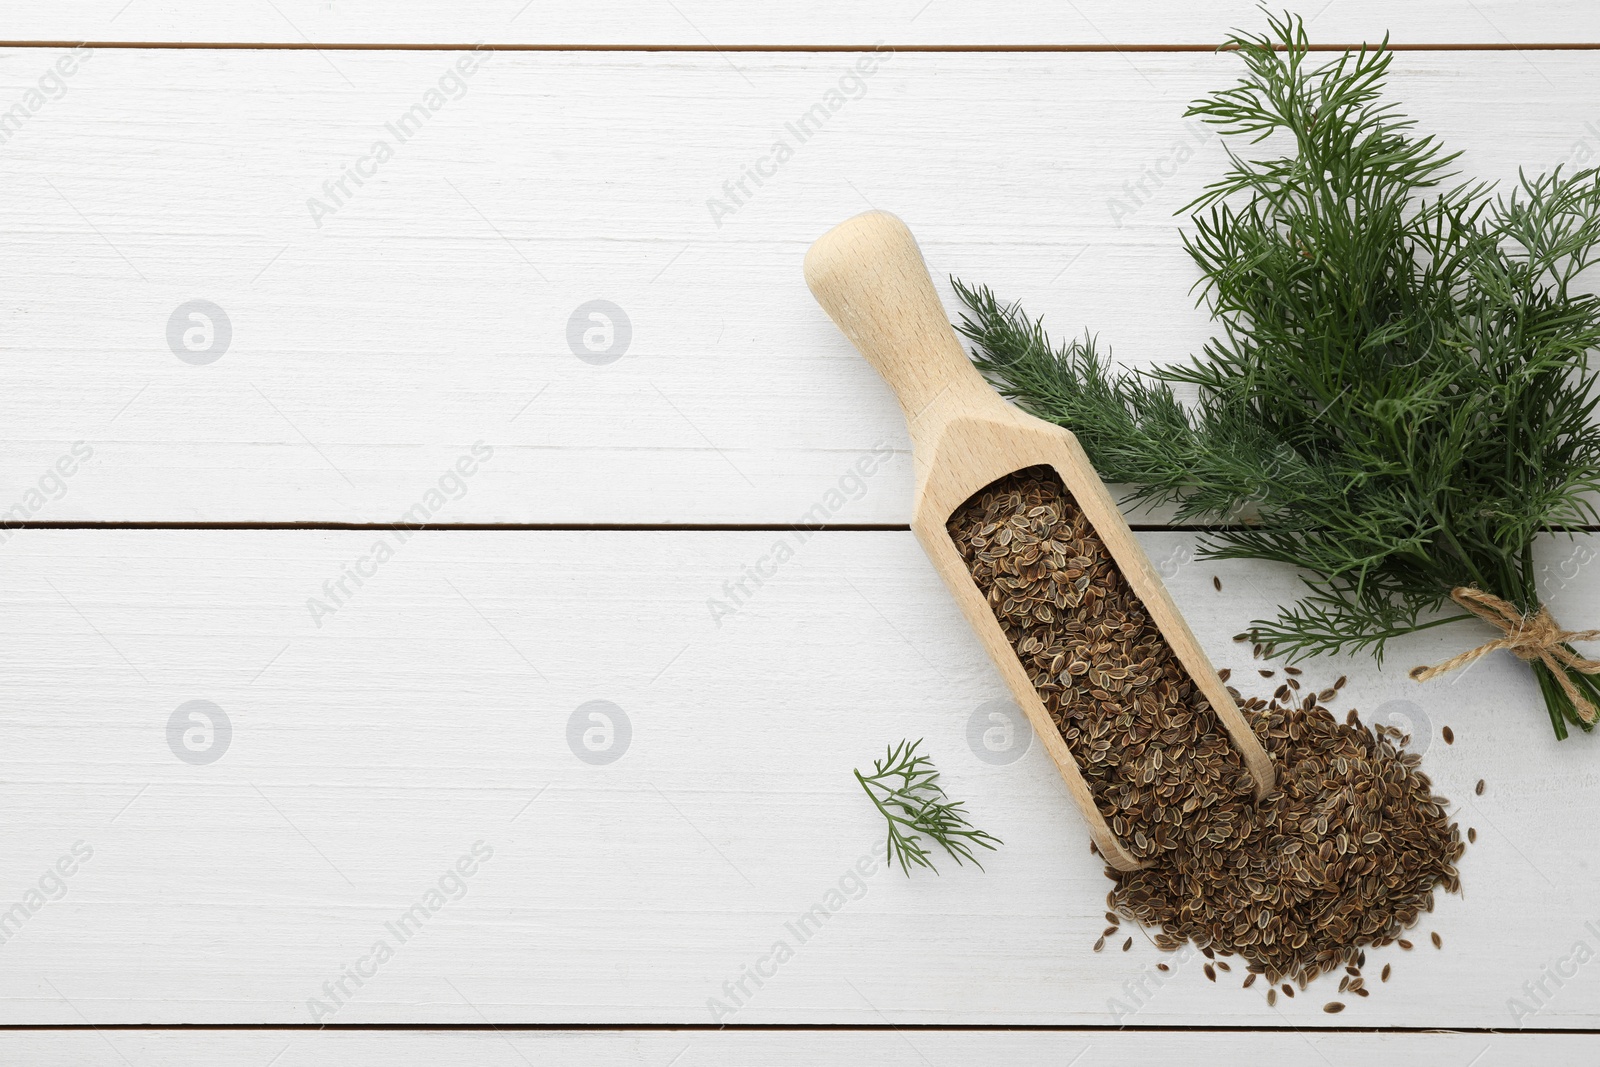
{"points": [[868, 274], [1343, 853]]}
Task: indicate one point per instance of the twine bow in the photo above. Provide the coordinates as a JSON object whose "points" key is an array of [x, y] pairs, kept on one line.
{"points": [[1528, 637]]}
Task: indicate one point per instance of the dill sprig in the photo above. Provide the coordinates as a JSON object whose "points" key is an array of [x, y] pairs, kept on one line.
{"points": [[1400, 398], [904, 787]]}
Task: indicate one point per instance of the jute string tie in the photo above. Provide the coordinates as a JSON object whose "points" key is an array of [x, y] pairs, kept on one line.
{"points": [[1528, 637]]}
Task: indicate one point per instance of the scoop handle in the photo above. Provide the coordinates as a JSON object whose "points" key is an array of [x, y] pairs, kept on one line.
{"points": [[869, 276]]}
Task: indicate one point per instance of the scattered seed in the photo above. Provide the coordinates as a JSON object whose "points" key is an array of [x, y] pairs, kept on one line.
{"points": [[1162, 967], [1404, 944], [1437, 943], [1362, 993], [1449, 735], [1211, 972], [1333, 1007], [1241, 637], [1100, 944], [1126, 945], [1352, 840], [1272, 997], [1293, 670], [1216, 582], [1108, 931], [1478, 789], [1225, 673], [1208, 953], [1384, 977], [1249, 980], [1472, 835]]}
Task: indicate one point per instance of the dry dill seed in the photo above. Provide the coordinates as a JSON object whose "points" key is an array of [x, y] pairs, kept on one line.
{"points": [[1340, 683], [1472, 836], [1108, 931], [1113, 918], [1437, 943], [1405, 945], [1384, 977], [1333, 1007], [1126, 945], [1295, 885], [1216, 582], [1225, 673], [1249, 980], [1265, 674], [1223, 966], [1211, 972], [1162, 967], [1478, 789], [1449, 735], [1207, 953], [1100, 944], [1241, 637], [1272, 997], [1293, 670]]}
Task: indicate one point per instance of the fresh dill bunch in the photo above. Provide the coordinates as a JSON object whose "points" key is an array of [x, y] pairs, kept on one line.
{"points": [[904, 787], [1400, 397]]}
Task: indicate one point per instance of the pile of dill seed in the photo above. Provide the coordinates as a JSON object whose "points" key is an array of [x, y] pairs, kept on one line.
{"points": [[1344, 854]]}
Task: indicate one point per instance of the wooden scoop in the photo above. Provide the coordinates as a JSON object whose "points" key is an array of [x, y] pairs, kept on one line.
{"points": [[869, 276]]}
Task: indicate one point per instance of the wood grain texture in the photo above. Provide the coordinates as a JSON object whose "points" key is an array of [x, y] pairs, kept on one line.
{"points": [[802, 1049], [432, 710], [702, 23], [431, 307]]}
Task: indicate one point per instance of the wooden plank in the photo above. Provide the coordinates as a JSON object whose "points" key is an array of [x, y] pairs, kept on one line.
{"points": [[910, 1049], [431, 308], [447, 700], [700, 23]]}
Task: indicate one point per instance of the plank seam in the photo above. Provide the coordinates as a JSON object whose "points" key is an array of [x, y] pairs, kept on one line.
{"points": [[606, 527], [809, 1027], [350, 46], [463, 527]]}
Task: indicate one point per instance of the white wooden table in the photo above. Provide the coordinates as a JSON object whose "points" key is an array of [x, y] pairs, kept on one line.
{"points": [[208, 509]]}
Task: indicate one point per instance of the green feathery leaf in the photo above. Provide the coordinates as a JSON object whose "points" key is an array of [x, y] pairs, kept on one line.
{"points": [[904, 787], [1400, 397]]}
